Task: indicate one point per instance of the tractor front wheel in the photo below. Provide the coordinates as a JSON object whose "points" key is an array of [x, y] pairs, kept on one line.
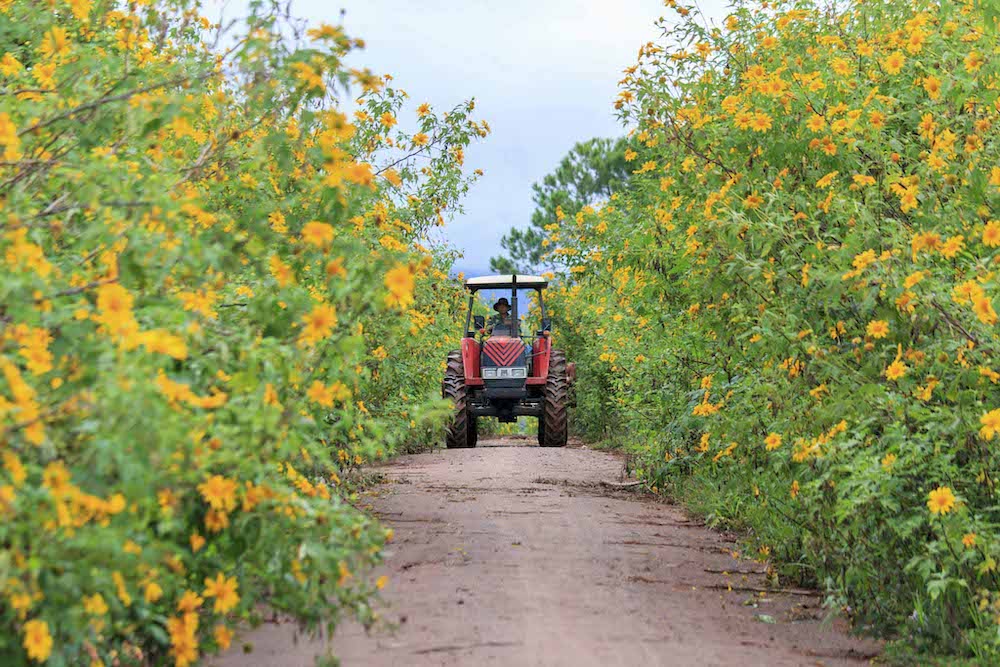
{"points": [[553, 425], [461, 431]]}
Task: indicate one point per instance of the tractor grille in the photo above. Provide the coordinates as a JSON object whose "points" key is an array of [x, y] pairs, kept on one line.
{"points": [[503, 351]]}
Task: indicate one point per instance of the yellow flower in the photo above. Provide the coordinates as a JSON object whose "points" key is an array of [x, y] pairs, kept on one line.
{"points": [[80, 8], [153, 592], [55, 44], [282, 273], [952, 246], [183, 639], [318, 324], [941, 500], [325, 396], [983, 307], [896, 370], [37, 640], [14, 468], [224, 592], [991, 234], [335, 268], [223, 636], [888, 460], [932, 85], [317, 233], [95, 605], [393, 177], [966, 292], [894, 62], [990, 424], [216, 520], [761, 122], [913, 279], [123, 594], [189, 602], [400, 282], [9, 65], [973, 62], [772, 441], [201, 302], [325, 31], [878, 329], [219, 492], [309, 76], [827, 180], [277, 222], [969, 540]]}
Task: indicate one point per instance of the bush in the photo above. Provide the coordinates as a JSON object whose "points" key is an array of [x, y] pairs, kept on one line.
{"points": [[790, 306], [214, 302]]}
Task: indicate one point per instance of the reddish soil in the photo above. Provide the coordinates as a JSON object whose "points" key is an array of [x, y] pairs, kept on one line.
{"points": [[510, 554]]}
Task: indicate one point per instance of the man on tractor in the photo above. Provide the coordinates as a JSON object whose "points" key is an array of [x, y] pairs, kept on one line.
{"points": [[502, 318]]}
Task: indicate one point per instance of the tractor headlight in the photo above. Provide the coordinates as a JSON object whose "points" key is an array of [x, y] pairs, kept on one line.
{"points": [[520, 372], [489, 373]]}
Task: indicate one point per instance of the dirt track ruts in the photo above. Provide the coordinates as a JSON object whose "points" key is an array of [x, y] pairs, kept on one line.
{"points": [[511, 554]]}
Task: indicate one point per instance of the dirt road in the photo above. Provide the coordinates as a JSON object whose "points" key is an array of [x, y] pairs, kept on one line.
{"points": [[509, 554]]}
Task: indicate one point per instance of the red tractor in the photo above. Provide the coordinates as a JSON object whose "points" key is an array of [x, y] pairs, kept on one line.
{"points": [[504, 374]]}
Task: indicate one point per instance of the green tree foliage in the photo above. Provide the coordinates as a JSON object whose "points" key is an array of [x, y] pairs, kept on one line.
{"points": [[789, 313], [589, 173], [216, 301]]}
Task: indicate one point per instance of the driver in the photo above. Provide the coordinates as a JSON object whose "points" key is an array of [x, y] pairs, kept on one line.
{"points": [[502, 318]]}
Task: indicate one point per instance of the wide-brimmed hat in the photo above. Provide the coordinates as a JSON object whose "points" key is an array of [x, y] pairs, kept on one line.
{"points": [[503, 300]]}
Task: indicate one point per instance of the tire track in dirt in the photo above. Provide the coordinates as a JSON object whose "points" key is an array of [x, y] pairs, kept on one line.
{"points": [[511, 554]]}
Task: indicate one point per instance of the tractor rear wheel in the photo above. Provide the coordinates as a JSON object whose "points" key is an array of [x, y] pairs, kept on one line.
{"points": [[453, 387], [553, 425]]}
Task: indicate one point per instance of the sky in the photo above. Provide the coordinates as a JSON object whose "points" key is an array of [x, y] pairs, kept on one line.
{"points": [[544, 74]]}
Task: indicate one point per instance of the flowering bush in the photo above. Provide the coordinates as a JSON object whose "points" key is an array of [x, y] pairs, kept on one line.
{"points": [[789, 311], [214, 302]]}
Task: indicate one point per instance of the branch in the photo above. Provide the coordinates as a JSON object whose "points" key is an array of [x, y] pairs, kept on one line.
{"points": [[420, 150], [954, 323], [111, 98], [78, 290]]}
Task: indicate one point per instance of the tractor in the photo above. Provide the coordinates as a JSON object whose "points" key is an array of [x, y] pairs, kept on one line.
{"points": [[501, 373]]}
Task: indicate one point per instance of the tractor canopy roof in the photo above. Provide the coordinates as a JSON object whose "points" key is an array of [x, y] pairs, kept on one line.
{"points": [[505, 280]]}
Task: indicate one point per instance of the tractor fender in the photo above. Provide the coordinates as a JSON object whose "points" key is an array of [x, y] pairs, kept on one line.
{"points": [[470, 361]]}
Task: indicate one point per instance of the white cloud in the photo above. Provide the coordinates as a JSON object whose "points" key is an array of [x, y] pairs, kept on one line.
{"points": [[544, 73]]}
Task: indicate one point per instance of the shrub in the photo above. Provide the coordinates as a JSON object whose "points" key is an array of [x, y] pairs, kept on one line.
{"points": [[214, 302], [790, 306]]}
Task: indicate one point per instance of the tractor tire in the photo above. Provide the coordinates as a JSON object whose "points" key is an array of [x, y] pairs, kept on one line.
{"points": [[553, 425], [453, 387]]}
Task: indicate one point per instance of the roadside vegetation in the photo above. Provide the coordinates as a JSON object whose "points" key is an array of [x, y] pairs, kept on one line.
{"points": [[215, 302], [787, 313]]}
